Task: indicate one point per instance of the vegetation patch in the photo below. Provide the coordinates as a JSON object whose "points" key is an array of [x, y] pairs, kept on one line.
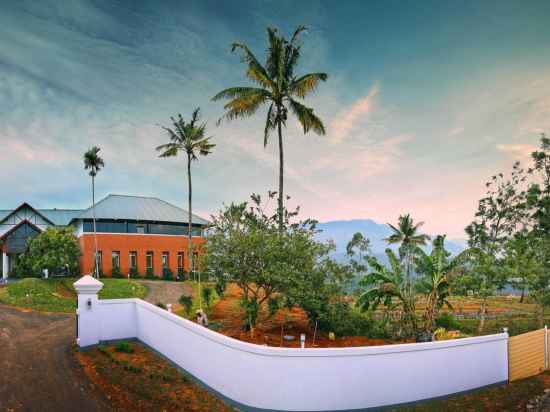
{"points": [[143, 381], [59, 295]]}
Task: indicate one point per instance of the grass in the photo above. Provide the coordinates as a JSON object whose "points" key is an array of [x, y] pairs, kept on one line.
{"points": [[510, 397], [143, 381], [59, 295]]}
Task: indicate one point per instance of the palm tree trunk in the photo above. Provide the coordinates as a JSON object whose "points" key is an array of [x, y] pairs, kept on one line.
{"points": [[281, 171], [96, 260], [190, 225]]}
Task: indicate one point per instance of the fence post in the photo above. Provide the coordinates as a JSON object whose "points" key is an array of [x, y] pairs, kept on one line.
{"points": [[545, 347], [87, 311]]}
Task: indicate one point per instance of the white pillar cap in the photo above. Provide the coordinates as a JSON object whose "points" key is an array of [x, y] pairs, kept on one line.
{"points": [[87, 285]]}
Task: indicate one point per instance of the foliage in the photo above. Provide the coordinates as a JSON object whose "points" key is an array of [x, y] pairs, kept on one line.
{"points": [[433, 270], [162, 305], [447, 321], [134, 273], [245, 246], [388, 286], [55, 249], [167, 274], [279, 89], [124, 347], [187, 303], [116, 273], [150, 274], [207, 296]]}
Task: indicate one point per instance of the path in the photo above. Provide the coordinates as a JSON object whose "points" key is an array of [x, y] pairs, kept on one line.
{"points": [[38, 371]]}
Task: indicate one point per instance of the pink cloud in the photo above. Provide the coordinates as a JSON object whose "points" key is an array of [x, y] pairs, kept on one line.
{"points": [[347, 120]]}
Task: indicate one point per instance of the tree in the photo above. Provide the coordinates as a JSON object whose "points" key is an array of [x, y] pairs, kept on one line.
{"points": [[55, 249], [279, 89], [245, 246], [406, 234], [388, 286], [94, 163], [190, 139], [434, 270], [187, 302]]}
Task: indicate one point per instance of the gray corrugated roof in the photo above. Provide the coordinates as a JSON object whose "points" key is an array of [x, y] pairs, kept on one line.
{"points": [[4, 213], [60, 217], [125, 207]]}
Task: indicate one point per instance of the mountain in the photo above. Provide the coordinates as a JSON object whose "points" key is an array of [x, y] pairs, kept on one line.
{"points": [[341, 232]]}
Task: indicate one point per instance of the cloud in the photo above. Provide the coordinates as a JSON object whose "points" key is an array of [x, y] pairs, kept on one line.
{"points": [[456, 131], [521, 152], [347, 120]]}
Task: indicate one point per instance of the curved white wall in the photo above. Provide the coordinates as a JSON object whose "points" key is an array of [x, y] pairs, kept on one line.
{"points": [[285, 379]]}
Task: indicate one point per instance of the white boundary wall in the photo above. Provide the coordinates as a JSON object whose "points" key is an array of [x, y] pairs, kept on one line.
{"points": [[286, 379]]}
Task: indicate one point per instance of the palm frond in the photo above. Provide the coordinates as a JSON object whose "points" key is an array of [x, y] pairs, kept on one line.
{"points": [[256, 71], [307, 118], [306, 84]]}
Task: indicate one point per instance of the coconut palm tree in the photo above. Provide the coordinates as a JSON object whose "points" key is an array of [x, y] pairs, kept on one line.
{"points": [[407, 235], [279, 89], [94, 163], [190, 139]]}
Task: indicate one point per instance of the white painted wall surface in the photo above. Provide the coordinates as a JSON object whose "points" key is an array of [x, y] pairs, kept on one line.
{"points": [[307, 379]]}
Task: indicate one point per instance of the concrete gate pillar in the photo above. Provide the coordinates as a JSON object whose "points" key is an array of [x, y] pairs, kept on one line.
{"points": [[5, 265], [87, 312]]}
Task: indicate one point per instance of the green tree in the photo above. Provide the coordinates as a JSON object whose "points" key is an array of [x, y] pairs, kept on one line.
{"points": [[190, 139], [187, 302], [55, 249], [388, 286], [94, 163], [245, 246], [279, 89], [407, 235], [433, 270]]}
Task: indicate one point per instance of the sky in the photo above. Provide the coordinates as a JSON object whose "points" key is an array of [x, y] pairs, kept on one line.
{"points": [[425, 101]]}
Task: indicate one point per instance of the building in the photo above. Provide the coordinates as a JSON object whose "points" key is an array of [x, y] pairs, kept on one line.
{"points": [[144, 233]]}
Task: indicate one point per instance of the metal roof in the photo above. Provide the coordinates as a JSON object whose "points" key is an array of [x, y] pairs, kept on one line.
{"points": [[124, 207], [60, 217]]}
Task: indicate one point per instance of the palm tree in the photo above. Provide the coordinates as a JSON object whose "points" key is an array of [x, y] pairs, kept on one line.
{"points": [[188, 138], [406, 233], [278, 89], [387, 285], [94, 163], [434, 270]]}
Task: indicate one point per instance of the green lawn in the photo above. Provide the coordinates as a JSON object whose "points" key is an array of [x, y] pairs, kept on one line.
{"points": [[58, 295]]}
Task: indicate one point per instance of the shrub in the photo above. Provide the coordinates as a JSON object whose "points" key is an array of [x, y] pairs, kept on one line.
{"points": [[181, 274], [124, 347], [207, 296], [340, 319], [187, 303], [134, 274], [116, 273], [167, 274], [162, 305], [447, 321], [149, 274]]}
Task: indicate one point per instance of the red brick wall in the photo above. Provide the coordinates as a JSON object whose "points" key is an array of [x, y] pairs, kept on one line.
{"points": [[126, 243]]}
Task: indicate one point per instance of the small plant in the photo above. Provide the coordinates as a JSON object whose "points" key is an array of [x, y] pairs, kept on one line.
{"points": [[134, 274], [149, 274], [447, 321], [207, 296], [124, 347], [162, 305], [116, 273], [167, 274], [187, 303]]}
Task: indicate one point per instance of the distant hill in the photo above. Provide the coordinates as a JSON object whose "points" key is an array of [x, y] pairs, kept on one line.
{"points": [[341, 232]]}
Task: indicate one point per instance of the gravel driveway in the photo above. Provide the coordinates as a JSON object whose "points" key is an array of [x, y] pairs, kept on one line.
{"points": [[38, 371]]}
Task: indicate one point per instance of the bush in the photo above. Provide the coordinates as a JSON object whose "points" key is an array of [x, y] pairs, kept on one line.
{"points": [[124, 347], [149, 274], [116, 274], [167, 274], [340, 319], [134, 274], [207, 296], [162, 305], [447, 321], [187, 303]]}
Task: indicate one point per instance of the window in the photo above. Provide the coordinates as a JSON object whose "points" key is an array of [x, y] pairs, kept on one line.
{"points": [[165, 260], [149, 260], [116, 260], [180, 260], [140, 229], [133, 260]]}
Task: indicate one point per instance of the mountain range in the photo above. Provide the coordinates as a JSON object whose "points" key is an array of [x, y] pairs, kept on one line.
{"points": [[341, 232]]}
